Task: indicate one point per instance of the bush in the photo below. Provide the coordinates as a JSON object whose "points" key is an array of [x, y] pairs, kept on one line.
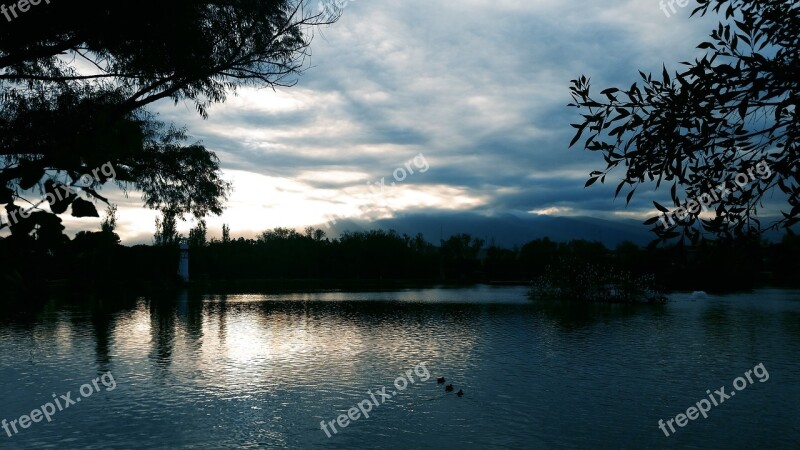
{"points": [[570, 279]]}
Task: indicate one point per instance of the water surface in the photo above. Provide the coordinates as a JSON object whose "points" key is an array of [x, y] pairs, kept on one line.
{"points": [[261, 371]]}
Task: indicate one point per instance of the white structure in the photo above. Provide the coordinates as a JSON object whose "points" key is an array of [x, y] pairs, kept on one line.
{"points": [[183, 265]]}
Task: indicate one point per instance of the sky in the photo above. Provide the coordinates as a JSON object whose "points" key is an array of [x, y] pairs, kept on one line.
{"points": [[456, 106]]}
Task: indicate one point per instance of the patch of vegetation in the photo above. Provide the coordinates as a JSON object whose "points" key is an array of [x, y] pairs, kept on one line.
{"points": [[571, 279]]}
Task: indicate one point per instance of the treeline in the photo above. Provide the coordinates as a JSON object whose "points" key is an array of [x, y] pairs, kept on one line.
{"points": [[379, 256], [387, 255]]}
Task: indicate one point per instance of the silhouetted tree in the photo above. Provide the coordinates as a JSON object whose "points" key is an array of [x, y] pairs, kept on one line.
{"points": [[109, 224], [198, 235], [226, 234], [459, 256], [783, 261], [629, 257], [536, 255], [502, 264], [166, 230], [699, 129], [75, 78]]}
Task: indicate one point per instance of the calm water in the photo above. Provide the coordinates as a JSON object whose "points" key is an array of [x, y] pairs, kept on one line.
{"points": [[248, 371]]}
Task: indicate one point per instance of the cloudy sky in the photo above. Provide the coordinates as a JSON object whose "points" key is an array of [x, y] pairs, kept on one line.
{"points": [[470, 96]]}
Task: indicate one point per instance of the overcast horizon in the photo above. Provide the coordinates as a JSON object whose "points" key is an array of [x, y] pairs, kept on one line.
{"points": [[475, 91]]}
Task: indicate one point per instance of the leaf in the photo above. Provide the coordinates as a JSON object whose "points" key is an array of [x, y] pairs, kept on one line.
{"points": [[591, 181], [660, 207], [578, 134], [59, 196], [743, 108], [629, 197], [94, 194], [29, 178], [619, 188], [83, 208], [22, 225], [6, 195], [652, 220]]}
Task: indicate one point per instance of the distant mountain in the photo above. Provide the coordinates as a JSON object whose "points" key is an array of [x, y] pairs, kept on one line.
{"points": [[508, 230], [505, 230]]}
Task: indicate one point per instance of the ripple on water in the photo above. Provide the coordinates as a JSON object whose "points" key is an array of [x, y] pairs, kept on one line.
{"points": [[263, 371]]}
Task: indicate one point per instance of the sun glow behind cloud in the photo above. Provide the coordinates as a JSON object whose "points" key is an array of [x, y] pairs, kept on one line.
{"points": [[553, 211], [484, 103], [265, 202]]}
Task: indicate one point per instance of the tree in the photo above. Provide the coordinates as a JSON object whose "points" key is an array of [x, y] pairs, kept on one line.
{"points": [[94, 250], [226, 234], [459, 255], [536, 255], [109, 225], [723, 132], [166, 229], [198, 235], [75, 79]]}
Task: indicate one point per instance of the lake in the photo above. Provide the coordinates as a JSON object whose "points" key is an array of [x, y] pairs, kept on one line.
{"points": [[197, 370]]}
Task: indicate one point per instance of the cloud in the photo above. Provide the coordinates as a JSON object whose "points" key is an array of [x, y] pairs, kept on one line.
{"points": [[480, 87]]}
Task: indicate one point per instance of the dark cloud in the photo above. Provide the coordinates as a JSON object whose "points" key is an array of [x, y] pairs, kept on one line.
{"points": [[479, 87]]}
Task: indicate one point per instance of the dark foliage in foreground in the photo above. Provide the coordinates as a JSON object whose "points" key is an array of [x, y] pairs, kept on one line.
{"points": [[695, 130], [77, 77]]}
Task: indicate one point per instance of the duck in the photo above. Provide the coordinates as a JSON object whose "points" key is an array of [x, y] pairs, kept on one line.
{"points": [[448, 388], [460, 393], [440, 380]]}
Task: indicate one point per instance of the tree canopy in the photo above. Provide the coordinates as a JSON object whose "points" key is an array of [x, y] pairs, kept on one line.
{"points": [[76, 78], [724, 115]]}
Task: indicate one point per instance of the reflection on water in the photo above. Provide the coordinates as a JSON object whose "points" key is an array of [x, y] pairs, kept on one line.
{"points": [[201, 370]]}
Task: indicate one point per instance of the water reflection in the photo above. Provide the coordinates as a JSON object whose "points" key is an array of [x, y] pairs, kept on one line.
{"points": [[227, 370]]}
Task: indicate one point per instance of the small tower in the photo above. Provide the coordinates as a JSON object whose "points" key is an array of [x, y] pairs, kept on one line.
{"points": [[183, 265]]}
